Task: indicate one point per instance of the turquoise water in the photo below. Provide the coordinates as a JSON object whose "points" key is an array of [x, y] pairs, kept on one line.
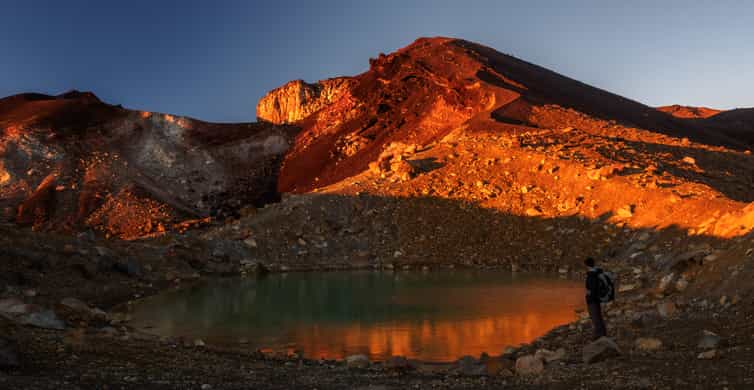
{"points": [[432, 316]]}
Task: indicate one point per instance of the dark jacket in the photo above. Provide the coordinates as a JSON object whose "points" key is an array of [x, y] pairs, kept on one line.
{"points": [[593, 286]]}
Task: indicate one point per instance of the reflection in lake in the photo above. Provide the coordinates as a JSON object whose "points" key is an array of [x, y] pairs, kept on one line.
{"points": [[432, 316]]}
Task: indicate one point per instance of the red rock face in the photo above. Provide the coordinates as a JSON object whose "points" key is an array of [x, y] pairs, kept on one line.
{"points": [[420, 93], [71, 162]]}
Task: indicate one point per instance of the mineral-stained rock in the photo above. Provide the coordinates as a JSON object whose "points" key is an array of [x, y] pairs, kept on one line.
{"points": [[73, 161]]}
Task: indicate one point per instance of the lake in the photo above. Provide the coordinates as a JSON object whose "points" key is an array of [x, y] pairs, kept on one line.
{"points": [[434, 316]]}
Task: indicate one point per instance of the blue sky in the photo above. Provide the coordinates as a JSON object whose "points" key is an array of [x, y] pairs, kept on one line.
{"points": [[214, 59]]}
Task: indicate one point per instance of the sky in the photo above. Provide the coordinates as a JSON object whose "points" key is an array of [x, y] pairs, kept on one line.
{"points": [[213, 60]]}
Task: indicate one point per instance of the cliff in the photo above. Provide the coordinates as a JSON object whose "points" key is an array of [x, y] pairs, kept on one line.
{"points": [[297, 99]]}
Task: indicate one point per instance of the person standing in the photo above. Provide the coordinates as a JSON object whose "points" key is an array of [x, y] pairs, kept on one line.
{"points": [[594, 295]]}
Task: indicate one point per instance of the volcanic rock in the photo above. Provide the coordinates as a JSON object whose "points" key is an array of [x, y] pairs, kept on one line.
{"points": [[599, 350], [297, 99], [529, 365], [72, 161]]}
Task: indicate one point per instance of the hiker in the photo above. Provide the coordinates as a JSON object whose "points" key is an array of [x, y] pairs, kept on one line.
{"points": [[599, 290]]}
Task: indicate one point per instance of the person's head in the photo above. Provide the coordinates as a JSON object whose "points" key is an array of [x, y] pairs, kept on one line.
{"points": [[589, 262]]}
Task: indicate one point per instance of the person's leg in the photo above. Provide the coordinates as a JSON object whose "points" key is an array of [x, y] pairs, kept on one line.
{"points": [[602, 331], [595, 312]]}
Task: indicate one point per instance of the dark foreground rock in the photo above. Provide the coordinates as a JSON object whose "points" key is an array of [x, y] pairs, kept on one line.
{"points": [[8, 354], [599, 350]]}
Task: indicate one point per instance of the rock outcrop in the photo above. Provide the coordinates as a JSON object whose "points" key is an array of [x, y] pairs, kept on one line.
{"points": [[298, 99]]}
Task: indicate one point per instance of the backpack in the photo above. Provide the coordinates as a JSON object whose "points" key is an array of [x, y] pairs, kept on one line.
{"points": [[606, 290]]}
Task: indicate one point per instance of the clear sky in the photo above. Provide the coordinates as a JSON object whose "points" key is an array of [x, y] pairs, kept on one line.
{"points": [[214, 59]]}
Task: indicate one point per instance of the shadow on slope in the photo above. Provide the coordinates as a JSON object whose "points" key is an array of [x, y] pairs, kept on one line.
{"points": [[543, 86], [328, 231]]}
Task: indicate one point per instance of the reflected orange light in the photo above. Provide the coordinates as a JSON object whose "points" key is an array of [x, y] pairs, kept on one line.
{"points": [[430, 340]]}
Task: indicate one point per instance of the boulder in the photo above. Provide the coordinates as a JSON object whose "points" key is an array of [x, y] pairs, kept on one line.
{"points": [[45, 319], [529, 365], [357, 361], [708, 355], [681, 284], [599, 350], [709, 340], [75, 305], [16, 310], [667, 309], [648, 344], [548, 356], [665, 283]]}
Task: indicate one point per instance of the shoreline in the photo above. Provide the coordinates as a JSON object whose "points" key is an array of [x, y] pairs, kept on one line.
{"points": [[127, 309], [94, 353]]}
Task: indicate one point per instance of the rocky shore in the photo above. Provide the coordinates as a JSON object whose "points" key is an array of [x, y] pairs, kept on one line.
{"points": [[444, 154], [62, 329]]}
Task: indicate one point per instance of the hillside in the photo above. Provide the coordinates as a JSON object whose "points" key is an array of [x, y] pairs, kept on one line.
{"points": [[72, 162], [420, 93], [445, 154], [512, 160]]}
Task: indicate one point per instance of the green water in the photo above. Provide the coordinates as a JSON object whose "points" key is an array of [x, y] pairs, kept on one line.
{"points": [[432, 316]]}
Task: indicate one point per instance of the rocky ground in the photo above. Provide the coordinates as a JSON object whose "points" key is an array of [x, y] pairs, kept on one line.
{"points": [[444, 154], [666, 337]]}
